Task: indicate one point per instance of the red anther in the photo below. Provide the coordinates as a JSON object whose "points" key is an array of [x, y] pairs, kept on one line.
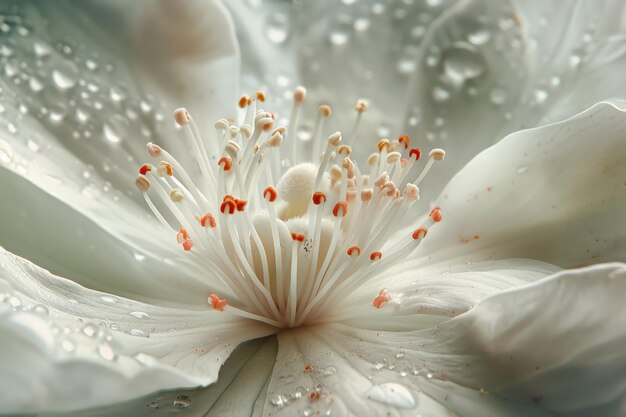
{"points": [[343, 205], [374, 256], [270, 194], [381, 299], [216, 302], [208, 219], [308, 367], [228, 206], [405, 140], [317, 198], [241, 204], [383, 144], [297, 237], [145, 168], [183, 233], [187, 244], [243, 101], [228, 163], [354, 250], [435, 214], [415, 153], [420, 233], [314, 396], [229, 197]]}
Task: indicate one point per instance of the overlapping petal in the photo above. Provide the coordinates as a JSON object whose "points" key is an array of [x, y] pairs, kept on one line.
{"points": [[104, 349], [539, 350]]}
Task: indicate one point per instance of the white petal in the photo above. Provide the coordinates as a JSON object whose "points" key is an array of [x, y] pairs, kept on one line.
{"points": [[488, 70], [75, 119], [554, 193], [427, 296], [104, 348], [550, 348]]}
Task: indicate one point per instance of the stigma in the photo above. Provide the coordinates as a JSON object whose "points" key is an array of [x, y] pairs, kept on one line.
{"points": [[292, 229]]}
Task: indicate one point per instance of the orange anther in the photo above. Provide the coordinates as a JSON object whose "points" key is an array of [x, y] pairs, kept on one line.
{"points": [[187, 244], [420, 233], [228, 206], [270, 194], [142, 182], [381, 299], [405, 140], [145, 168], [366, 195], [344, 150], [216, 302], [435, 214], [182, 117], [297, 237], [260, 96], [325, 110], [314, 396], [415, 153], [227, 163], [374, 256], [343, 205], [317, 198], [208, 219], [243, 101], [165, 169], [353, 250], [183, 233], [383, 144], [241, 204]]}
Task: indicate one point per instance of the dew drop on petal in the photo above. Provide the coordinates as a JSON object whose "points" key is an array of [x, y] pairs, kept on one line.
{"points": [[182, 401], [108, 299], [279, 401], [277, 27], [139, 314], [497, 96], [62, 81], [392, 394], [462, 62], [41, 310], [106, 351], [90, 330]]}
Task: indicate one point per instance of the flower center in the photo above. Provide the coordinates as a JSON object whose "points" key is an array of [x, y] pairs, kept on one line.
{"points": [[290, 243]]}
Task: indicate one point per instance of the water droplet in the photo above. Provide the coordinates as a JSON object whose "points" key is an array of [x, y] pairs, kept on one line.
{"points": [[41, 49], [277, 27], [480, 37], [139, 314], [361, 24], [305, 133], [108, 299], [555, 81], [115, 129], [14, 302], [62, 81], [308, 412], [575, 60], [462, 62], [392, 394], [139, 257], [440, 94], [522, 169], [68, 345], [400, 355], [497, 96], [114, 326], [91, 65], [279, 401], [137, 332], [406, 65], [541, 96], [106, 351], [41, 310], [329, 370], [35, 84], [339, 37], [90, 330], [116, 95], [5, 51], [182, 401]]}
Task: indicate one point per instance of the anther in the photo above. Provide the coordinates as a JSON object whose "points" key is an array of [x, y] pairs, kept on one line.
{"points": [[226, 163], [208, 219], [270, 194], [299, 94], [411, 191], [241, 204], [405, 140], [260, 96], [437, 154], [344, 150], [373, 159], [340, 209], [228, 206], [233, 131], [164, 169], [435, 214], [381, 299], [153, 150], [318, 197], [419, 233], [176, 195], [280, 129], [275, 140], [142, 182], [182, 117], [243, 101], [145, 168], [375, 256], [389, 189], [354, 250], [393, 157], [383, 144], [335, 139], [221, 124], [366, 195], [245, 131], [232, 148], [415, 153], [182, 235], [381, 180], [325, 110], [216, 302], [361, 106], [297, 237]]}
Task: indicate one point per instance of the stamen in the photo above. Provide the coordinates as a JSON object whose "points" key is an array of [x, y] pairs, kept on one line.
{"points": [[381, 299]]}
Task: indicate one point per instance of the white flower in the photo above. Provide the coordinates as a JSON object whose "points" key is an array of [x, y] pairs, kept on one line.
{"points": [[480, 319]]}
